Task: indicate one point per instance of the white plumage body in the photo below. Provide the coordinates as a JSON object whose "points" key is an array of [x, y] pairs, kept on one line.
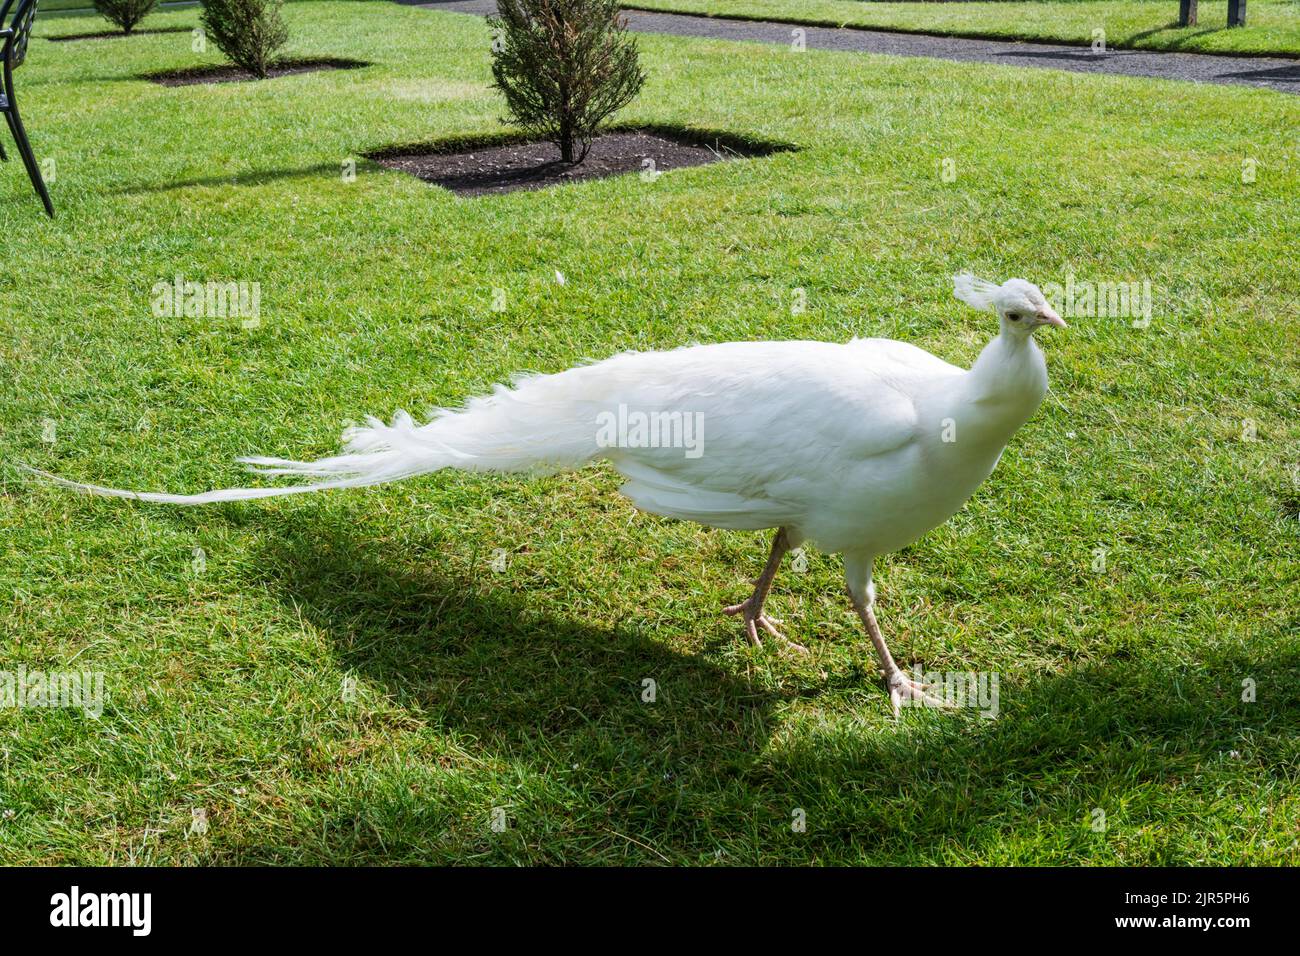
{"points": [[860, 447], [841, 444]]}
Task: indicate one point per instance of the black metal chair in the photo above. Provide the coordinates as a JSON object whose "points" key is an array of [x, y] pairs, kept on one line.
{"points": [[15, 38]]}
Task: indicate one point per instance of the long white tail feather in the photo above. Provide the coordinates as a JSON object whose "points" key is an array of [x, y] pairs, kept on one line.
{"points": [[208, 497], [543, 424]]}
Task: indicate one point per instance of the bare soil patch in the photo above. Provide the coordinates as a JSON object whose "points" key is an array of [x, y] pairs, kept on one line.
{"points": [[230, 73], [496, 166], [114, 34]]}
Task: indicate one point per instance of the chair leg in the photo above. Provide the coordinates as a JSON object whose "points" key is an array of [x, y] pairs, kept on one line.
{"points": [[29, 158], [4, 157]]}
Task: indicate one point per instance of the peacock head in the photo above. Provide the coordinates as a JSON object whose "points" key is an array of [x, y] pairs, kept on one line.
{"points": [[1019, 304]]}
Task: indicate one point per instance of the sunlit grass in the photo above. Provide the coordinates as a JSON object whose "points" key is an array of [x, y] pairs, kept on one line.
{"points": [[344, 678]]}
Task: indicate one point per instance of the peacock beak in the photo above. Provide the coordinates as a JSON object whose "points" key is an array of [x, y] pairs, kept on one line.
{"points": [[1046, 316]]}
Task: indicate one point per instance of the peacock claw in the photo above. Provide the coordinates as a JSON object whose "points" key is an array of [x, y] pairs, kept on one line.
{"points": [[756, 619], [903, 688]]}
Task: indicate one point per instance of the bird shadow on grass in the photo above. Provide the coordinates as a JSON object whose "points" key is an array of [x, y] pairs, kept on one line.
{"points": [[1148, 741], [696, 775], [476, 657]]}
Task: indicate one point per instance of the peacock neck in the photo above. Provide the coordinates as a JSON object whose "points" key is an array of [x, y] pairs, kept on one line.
{"points": [[1004, 387]]}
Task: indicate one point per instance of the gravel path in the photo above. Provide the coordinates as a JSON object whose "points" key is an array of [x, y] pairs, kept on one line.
{"points": [[1273, 73]]}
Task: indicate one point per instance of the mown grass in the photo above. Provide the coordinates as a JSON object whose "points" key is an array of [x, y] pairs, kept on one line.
{"points": [[1272, 26], [522, 689]]}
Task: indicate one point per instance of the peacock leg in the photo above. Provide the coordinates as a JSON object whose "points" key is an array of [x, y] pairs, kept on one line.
{"points": [[857, 573], [752, 607]]}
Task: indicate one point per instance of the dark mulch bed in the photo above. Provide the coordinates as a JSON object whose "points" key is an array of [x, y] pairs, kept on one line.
{"points": [[235, 74], [114, 34], [499, 167]]}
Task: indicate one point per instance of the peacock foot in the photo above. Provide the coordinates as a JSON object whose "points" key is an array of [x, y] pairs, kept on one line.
{"points": [[754, 618], [906, 692]]}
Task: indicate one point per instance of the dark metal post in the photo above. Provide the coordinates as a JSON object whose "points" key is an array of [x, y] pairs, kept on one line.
{"points": [[1236, 13], [1187, 13], [12, 55]]}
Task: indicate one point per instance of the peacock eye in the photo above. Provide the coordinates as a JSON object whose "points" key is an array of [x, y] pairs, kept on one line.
{"points": [[1013, 316]]}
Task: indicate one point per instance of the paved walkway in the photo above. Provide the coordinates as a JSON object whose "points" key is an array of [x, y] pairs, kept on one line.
{"points": [[1270, 72]]}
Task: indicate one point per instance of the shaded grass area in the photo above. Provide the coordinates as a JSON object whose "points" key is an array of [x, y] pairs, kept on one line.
{"points": [[347, 678], [233, 73], [109, 34], [1273, 26]]}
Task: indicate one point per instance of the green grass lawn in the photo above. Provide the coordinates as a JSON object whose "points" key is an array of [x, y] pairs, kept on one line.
{"points": [[1272, 26], [521, 689]]}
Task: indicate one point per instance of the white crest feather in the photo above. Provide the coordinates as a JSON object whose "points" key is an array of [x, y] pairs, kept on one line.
{"points": [[976, 292]]}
